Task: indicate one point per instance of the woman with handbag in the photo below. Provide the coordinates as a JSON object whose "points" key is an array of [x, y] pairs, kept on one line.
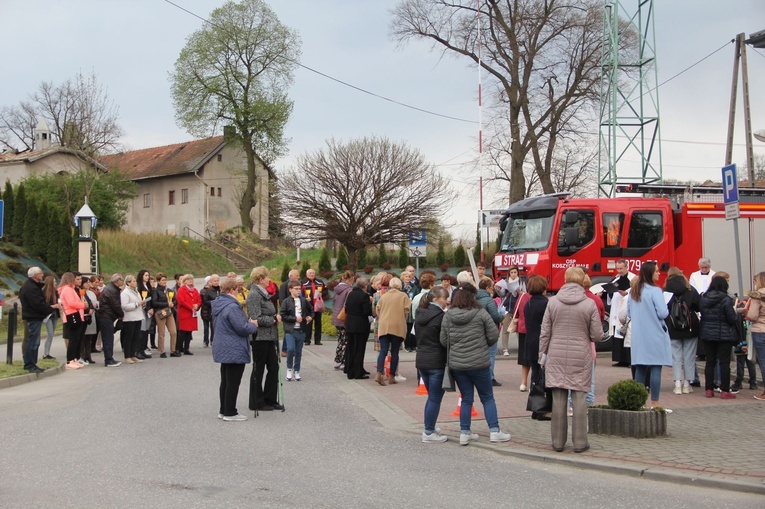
{"points": [[74, 318], [91, 328], [51, 298], [534, 312], [163, 314], [132, 305], [467, 332], [431, 356], [341, 293], [570, 324]]}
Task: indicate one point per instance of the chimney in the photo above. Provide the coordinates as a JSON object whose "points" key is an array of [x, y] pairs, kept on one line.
{"points": [[42, 135]]}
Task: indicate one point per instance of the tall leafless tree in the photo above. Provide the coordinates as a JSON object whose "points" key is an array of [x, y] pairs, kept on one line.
{"points": [[78, 111], [543, 56], [361, 193]]}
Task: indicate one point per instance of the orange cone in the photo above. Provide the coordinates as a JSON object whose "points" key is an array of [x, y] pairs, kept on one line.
{"points": [[421, 389], [456, 413]]}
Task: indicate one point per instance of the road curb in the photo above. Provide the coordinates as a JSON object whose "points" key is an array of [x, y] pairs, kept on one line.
{"points": [[13, 381]]}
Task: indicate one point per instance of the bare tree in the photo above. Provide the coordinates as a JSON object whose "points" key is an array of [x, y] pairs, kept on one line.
{"points": [[79, 113], [362, 193], [543, 54]]}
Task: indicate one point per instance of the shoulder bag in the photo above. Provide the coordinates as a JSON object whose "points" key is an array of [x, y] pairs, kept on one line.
{"points": [[342, 315], [447, 384], [164, 313], [540, 398], [512, 326]]}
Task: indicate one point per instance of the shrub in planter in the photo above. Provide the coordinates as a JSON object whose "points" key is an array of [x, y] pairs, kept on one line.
{"points": [[326, 274], [627, 395], [386, 266], [444, 267], [15, 266], [368, 269], [332, 284]]}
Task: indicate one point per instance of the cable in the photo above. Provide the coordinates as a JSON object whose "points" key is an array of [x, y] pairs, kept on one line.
{"points": [[689, 67], [373, 94]]}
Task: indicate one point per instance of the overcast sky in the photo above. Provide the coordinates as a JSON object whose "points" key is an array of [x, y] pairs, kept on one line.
{"points": [[131, 45]]}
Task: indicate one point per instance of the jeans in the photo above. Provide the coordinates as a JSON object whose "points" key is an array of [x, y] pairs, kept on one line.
{"points": [[741, 363], [649, 376], [50, 328], [33, 344], [209, 332], [758, 339], [294, 341], [492, 358], [683, 358], [432, 378], [394, 343], [480, 379], [106, 326]]}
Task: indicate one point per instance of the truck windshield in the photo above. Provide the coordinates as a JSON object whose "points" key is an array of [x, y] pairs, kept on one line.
{"points": [[528, 231]]}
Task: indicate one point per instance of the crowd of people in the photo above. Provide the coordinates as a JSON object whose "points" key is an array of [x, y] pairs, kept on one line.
{"points": [[454, 328]]}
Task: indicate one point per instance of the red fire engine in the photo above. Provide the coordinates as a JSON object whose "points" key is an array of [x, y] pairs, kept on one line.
{"points": [[544, 235]]}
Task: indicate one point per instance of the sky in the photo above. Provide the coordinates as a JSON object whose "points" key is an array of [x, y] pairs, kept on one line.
{"points": [[132, 46]]}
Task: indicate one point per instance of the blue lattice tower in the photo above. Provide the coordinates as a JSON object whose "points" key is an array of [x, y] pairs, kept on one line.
{"points": [[629, 148]]}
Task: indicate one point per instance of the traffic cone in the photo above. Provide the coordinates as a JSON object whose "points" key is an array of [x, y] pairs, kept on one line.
{"points": [[456, 413], [387, 366], [421, 389]]}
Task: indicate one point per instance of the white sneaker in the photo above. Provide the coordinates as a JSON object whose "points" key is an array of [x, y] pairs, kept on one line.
{"points": [[433, 438], [297, 376], [677, 390], [147, 352], [220, 416], [505, 353], [687, 389], [523, 388], [466, 439], [289, 375], [400, 378], [234, 418], [499, 436], [82, 362]]}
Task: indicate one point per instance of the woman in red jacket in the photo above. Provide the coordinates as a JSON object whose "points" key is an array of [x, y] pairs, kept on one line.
{"points": [[73, 315], [189, 302]]}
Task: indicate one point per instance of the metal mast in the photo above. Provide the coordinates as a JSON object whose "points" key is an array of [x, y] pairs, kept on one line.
{"points": [[629, 148]]}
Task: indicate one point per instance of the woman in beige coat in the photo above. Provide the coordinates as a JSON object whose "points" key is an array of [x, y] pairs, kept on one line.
{"points": [[571, 322], [392, 311]]}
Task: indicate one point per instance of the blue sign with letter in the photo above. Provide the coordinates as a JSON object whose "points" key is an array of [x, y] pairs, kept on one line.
{"points": [[417, 238], [730, 184]]}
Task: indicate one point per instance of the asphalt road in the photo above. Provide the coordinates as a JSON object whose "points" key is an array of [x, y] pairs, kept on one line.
{"points": [[147, 436]]}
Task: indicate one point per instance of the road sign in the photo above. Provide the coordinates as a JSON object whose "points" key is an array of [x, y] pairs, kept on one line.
{"points": [[418, 238], [489, 217], [730, 192], [418, 251], [2, 217]]}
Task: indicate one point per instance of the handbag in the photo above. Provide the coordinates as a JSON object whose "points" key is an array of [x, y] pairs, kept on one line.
{"points": [[318, 304], [342, 315], [540, 398], [74, 319], [625, 327], [513, 325], [164, 313]]}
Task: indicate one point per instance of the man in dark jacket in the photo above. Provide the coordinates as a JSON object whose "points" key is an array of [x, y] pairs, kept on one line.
{"points": [[209, 293], [314, 290], [34, 310], [358, 310], [109, 311]]}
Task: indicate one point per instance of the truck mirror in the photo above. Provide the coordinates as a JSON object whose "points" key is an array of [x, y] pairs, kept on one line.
{"points": [[571, 217], [571, 236], [503, 223]]}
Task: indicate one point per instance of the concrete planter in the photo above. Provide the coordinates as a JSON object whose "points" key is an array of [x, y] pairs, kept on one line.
{"points": [[624, 423]]}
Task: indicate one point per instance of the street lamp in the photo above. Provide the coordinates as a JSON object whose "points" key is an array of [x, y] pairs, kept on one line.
{"points": [[85, 221], [760, 135]]}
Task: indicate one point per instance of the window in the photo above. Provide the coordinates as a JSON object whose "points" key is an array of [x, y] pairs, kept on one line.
{"points": [[612, 229], [220, 157], [219, 191], [184, 195], [45, 136], [646, 230], [146, 200], [581, 230], [212, 191], [171, 198], [528, 231]]}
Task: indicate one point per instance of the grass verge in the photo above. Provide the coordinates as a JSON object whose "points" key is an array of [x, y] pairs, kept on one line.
{"points": [[17, 368]]}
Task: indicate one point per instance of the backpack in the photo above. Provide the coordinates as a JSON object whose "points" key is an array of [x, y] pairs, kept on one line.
{"points": [[679, 314]]}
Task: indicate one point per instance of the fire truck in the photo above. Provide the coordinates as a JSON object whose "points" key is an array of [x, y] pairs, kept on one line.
{"points": [[671, 225]]}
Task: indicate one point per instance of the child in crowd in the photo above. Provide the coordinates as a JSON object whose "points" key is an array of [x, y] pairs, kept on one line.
{"points": [[297, 315]]}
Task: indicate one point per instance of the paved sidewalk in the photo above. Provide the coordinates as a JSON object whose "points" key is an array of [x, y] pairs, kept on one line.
{"points": [[713, 441]]}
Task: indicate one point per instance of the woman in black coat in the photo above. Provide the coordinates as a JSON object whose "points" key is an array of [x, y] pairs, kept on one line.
{"points": [[358, 309], [534, 312], [431, 356], [717, 334]]}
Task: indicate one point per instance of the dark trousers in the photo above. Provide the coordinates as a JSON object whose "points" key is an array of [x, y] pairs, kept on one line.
{"points": [[230, 378], [265, 357], [76, 332], [131, 338], [410, 343], [741, 362], [315, 325], [106, 326], [88, 340], [184, 341], [356, 347], [717, 351]]}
